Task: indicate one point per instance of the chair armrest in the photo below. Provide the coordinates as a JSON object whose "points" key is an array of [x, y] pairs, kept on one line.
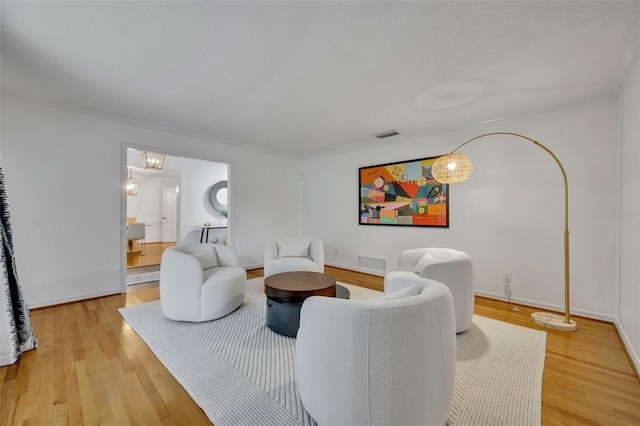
{"points": [[177, 266], [271, 250], [452, 271], [181, 279], [226, 255], [316, 252], [408, 259]]}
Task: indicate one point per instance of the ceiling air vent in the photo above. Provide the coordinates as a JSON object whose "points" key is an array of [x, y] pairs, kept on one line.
{"points": [[386, 134]]}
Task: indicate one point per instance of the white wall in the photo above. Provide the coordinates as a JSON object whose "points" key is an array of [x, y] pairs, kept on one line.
{"points": [[65, 182], [508, 216], [629, 316]]}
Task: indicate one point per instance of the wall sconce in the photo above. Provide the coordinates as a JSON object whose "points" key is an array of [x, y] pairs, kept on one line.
{"points": [[151, 160], [132, 185]]}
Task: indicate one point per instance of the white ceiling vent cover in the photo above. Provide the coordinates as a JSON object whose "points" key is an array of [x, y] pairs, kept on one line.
{"points": [[372, 263]]}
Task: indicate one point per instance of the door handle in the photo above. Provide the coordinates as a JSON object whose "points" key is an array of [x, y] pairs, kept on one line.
{"points": [[164, 217]]}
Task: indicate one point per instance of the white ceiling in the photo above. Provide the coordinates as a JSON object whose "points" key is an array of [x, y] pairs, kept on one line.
{"points": [[302, 79]]}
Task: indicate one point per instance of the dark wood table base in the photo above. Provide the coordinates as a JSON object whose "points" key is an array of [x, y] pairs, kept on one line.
{"points": [[286, 292]]}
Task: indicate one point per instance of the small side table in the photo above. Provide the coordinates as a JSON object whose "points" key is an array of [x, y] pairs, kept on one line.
{"points": [[287, 291], [207, 229]]}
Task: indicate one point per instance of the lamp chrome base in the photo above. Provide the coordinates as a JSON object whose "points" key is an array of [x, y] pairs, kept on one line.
{"points": [[553, 321]]}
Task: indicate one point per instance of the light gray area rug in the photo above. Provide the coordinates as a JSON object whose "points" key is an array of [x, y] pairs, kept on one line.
{"points": [[144, 277], [241, 373]]}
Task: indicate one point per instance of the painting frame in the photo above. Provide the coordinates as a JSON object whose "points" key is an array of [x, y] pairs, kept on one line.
{"points": [[402, 193]]}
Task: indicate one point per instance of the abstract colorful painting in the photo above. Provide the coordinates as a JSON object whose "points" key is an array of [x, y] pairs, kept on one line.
{"points": [[403, 194]]}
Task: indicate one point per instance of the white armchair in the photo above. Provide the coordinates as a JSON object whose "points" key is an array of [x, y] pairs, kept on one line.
{"points": [[293, 254], [373, 363], [451, 267], [200, 282]]}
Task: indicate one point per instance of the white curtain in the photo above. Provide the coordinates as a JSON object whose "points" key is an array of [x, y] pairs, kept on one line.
{"points": [[16, 333]]}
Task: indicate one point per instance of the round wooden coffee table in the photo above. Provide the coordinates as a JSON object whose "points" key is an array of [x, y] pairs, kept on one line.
{"points": [[287, 291]]}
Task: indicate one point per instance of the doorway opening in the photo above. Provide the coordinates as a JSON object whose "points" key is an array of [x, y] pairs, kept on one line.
{"points": [[154, 208], [173, 206]]}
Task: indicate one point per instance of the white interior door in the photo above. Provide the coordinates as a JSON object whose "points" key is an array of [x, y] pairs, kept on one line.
{"points": [[169, 214]]}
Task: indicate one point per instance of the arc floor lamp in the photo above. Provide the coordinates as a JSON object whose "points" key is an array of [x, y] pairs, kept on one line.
{"points": [[455, 168]]}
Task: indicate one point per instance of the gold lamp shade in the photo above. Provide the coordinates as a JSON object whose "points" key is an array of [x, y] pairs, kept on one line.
{"points": [[452, 168], [132, 185]]}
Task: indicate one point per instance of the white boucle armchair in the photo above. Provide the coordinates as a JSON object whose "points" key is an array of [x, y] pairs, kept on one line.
{"points": [[374, 362], [200, 282], [451, 267], [293, 254]]}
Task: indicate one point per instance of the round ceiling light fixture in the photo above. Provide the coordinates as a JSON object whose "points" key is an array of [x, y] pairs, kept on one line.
{"points": [[449, 95]]}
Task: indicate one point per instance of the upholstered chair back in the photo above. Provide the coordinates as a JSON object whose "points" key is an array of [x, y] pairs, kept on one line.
{"points": [[451, 267], [136, 231], [388, 361], [287, 254]]}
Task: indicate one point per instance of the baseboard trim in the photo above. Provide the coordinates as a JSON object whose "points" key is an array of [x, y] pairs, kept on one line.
{"points": [[550, 307], [355, 269], [74, 298], [628, 348]]}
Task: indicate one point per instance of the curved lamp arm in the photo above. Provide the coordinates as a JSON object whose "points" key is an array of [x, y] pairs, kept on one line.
{"points": [[448, 162]]}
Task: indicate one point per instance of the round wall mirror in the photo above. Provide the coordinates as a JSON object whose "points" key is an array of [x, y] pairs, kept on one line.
{"points": [[219, 197]]}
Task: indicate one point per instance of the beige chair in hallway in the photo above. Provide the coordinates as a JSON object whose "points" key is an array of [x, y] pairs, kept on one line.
{"points": [[136, 232]]}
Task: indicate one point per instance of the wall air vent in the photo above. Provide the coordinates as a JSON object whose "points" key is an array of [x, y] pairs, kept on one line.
{"points": [[386, 134], [372, 263]]}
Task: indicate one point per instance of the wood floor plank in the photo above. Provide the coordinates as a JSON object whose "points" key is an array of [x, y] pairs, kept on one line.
{"points": [[98, 389], [91, 368], [9, 401], [151, 390], [90, 410], [137, 401], [74, 401], [60, 360], [44, 394], [60, 414], [115, 397]]}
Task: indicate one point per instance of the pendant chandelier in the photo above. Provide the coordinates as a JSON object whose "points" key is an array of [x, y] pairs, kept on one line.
{"points": [[151, 160], [132, 185]]}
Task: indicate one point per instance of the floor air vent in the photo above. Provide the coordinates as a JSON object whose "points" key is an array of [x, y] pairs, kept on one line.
{"points": [[372, 263]]}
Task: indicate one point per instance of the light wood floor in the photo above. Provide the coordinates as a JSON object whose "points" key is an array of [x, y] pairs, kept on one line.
{"points": [[91, 368], [152, 256]]}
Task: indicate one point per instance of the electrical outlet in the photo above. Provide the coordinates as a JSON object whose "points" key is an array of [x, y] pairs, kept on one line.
{"points": [[506, 276], [507, 291]]}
